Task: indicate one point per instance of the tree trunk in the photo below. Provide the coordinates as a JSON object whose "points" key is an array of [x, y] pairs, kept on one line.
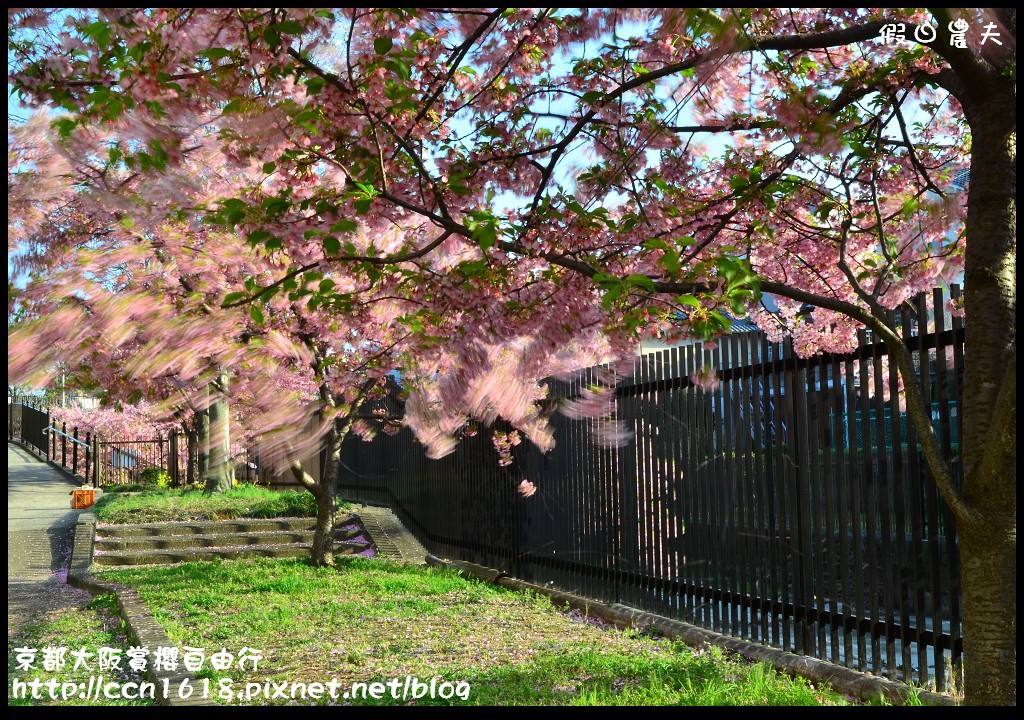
{"points": [[322, 552], [202, 445], [988, 539], [220, 476], [192, 473], [988, 572]]}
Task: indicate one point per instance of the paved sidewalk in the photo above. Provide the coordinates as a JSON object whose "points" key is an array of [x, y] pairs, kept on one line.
{"points": [[40, 522]]}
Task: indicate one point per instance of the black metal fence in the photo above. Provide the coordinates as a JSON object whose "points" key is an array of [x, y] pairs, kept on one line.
{"points": [[104, 461], [782, 507]]}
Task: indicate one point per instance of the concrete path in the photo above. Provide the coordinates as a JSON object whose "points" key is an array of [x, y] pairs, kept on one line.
{"points": [[39, 526]]}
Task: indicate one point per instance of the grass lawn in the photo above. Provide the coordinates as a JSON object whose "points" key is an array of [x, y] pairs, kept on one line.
{"points": [[191, 504], [373, 620]]}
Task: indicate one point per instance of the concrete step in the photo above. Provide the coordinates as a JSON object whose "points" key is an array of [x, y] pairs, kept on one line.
{"points": [[220, 539], [166, 557], [211, 526], [175, 542]]}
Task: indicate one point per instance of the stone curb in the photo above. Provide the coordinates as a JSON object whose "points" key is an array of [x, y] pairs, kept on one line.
{"points": [[841, 679], [142, 626]]}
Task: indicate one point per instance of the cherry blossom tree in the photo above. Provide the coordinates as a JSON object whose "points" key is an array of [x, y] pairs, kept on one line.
{"points": [[511, 189]]}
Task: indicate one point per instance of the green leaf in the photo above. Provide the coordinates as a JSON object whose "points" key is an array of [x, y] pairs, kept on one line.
{"points": [[688, 300], [362, 205], [383, 45], [290, 27], [314, 85], [640, 281], [458, 188], [592, 96], [399, 68], [720, 320], [65, 126], [656, 244], [326, 285], [276, 205], [215, 53], [257, 315], [611, 296], [233, 297], [98, 31], [344, 226], [474, 268], [258, 236], [272, 37], [331, 245], [269, 167]]}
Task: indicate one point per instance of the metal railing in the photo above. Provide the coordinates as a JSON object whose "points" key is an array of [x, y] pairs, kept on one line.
{"points": [[777, 508]]}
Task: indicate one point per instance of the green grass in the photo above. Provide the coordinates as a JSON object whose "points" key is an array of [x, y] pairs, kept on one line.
{"points": [[132, 488], [95, 626], [372, 620], [189, 504]]}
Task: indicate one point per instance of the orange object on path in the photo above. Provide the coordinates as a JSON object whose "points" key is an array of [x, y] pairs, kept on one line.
{"points": [[82, 498]]}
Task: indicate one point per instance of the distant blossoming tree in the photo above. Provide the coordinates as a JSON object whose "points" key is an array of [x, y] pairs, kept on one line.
{"points": [[541, 178]]}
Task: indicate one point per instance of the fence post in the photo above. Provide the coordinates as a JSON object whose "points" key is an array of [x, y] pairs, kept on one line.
{"points": [[96, 460], [88, 447], [74, 452], [172, 457], [63, 444]]}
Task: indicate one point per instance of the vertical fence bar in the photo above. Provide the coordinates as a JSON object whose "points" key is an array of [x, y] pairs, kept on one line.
{"points": [[919, 553], [876, 492], [934, 502], [172, 459], [746, 523], [675, 481], [803, 549], [823, 513], [756, 517], [840, 526], [856, 409], [96, 460], [705, 454], [913, 326], [816, 518], [949, 522], [74, 452], [888, 441], [644, 508], [63, 444], [781, 621], [88, 446], [665, 482], [581, 477], [730, 575]]}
